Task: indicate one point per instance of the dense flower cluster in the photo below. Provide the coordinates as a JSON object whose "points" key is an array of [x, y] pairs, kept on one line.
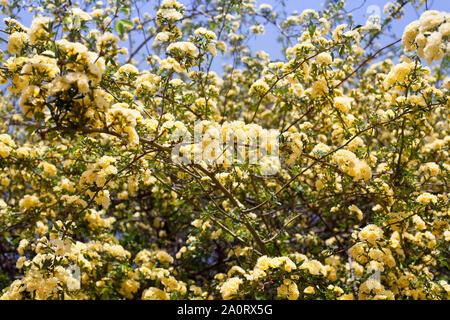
{"points": [[427, 35], [129, 169]]}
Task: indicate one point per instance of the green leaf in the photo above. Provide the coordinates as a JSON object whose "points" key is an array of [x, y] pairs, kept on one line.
{"points": [[127, 23], [120, 28], [125, 9], [312, 29]]}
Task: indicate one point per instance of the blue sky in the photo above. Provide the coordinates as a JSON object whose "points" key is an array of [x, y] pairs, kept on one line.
{"points": [[268, 43], [363, 9]]}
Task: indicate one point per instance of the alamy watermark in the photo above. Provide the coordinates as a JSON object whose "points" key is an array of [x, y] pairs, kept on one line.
{"points": [[213, 144], [373, 21]]}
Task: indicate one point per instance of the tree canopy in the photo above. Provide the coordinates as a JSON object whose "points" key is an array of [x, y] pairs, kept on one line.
{"points": [[132, 168]]}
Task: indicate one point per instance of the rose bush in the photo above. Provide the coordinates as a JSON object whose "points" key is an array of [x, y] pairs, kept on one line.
{"points": [[95, 203]]}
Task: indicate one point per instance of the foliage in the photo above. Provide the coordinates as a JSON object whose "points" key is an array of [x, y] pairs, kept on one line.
{"points": [[95, 203]]}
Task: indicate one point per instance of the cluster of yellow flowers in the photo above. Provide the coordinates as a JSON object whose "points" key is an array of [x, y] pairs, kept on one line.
{"points": [[132, 175], [6, 145], [426, 35], [283, 270], [70, 257], [170, 10], [349, 163]]}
